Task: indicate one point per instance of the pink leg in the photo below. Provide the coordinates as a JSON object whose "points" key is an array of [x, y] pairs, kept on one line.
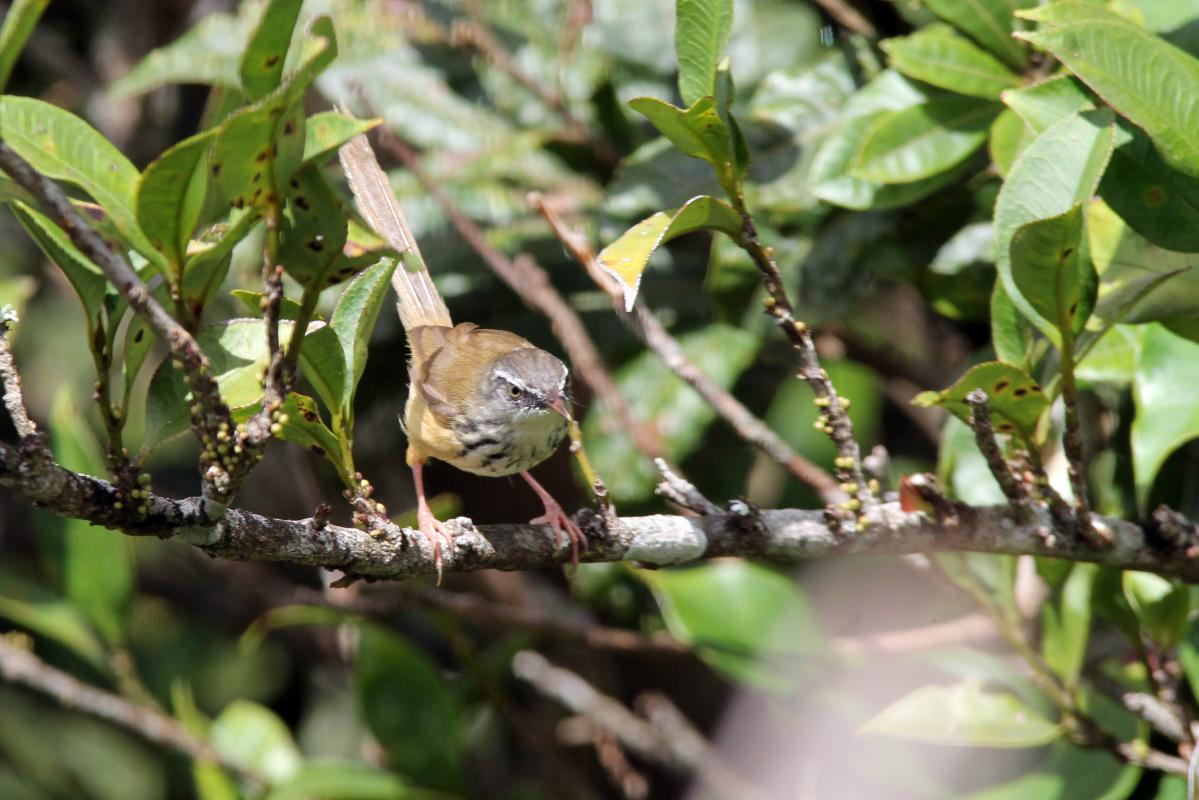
{"points": [[557, 519], [429, 526]]}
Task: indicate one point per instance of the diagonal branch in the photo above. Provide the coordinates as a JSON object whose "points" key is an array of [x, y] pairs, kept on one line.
{"points": [[642, 322], [209, 411], [14, 398], [20, 666]]}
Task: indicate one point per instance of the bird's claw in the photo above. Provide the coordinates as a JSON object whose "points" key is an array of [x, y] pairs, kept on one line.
{"points": [[563, 526], [436, 535]]}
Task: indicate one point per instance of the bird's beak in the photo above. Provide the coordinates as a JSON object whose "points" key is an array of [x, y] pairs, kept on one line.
{"points": [[559, 405]]}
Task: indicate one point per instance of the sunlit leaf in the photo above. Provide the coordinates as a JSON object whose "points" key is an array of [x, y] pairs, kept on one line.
{"points": [[170, 195], [626, 258], [1059, 169], [208, 53], [989, 22], [254, 738], [1166, 415], [1051, 267], [941, 58], [702, 29], [60, 145], [1016, 400], [923, 141], [329, 130], [261, 68], [1143, 77], [353, 320]]}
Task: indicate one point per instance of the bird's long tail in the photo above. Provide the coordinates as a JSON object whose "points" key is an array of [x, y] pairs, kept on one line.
{"points": [[420, 302]]}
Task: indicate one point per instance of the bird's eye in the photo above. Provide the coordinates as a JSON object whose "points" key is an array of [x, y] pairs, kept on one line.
{"points": [[514, 391]]}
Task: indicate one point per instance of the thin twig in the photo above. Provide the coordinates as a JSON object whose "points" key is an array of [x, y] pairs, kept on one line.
{"points": [[483, 611], [681, 491], [670, 741], [20, 666], [646, 326], [984, 435], [14, 399], [848, 17], [529, 280], [834, 419]]}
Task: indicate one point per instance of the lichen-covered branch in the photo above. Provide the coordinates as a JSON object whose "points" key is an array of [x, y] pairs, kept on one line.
{"points": [[389, 553]]}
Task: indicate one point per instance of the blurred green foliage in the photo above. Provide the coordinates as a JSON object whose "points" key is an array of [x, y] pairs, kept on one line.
{"points": [[979, 199]]}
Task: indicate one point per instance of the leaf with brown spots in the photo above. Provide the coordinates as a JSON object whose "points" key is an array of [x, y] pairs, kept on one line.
{"points": [[1051, 266], [303, 426], [262, 62], [1015, 399], [274, 126]]}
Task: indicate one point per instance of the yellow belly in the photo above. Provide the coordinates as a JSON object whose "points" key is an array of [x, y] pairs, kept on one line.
{"points": [[483, 447]]}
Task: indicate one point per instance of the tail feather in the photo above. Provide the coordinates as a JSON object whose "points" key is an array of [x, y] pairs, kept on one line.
{"points": [[420, 302]]}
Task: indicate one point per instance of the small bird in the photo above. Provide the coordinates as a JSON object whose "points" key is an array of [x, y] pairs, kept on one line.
{"points": [[486, 401]]}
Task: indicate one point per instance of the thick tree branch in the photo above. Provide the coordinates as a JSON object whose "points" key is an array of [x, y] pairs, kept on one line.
{"points": [[783, 536]]}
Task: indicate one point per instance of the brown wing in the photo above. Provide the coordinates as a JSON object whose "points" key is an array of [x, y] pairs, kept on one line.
{"points": [[448, 363]]}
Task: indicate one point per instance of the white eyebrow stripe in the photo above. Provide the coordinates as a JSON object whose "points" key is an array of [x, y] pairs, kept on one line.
{"points": [[512, 379]]}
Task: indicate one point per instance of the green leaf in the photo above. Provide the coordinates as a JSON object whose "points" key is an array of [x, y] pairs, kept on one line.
{"points": [[207, 265], [1015, 400], [1066, 624], [1047, 102], [30, 606], [626, 258], [252, 301], [702, 29], [261, 146], [735, 613], [833, 182], [1060, 168], [1160, 203], [333, 780], [97, 566], [409, 708], [1166, 415], [940, 58], [1162, 606], [1143, 77], [329, 130], [353, 320], [208, 53], [323, 360], [305, 428], [1138, 281], [261, 67], [923, 141], [658, 397], [237, 351], [19, 23], [963, 714], [313, 232], [1070, 773], [60, 145], [988, 22], [1007, 139], [139, 341], [698, 131], [1011, 334], [84, 276], [1051, 267], [170, 195], [254, 738]]}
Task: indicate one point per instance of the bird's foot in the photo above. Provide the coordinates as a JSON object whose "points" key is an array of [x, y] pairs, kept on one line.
{"points": [[563, 526], [435, 533]]}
